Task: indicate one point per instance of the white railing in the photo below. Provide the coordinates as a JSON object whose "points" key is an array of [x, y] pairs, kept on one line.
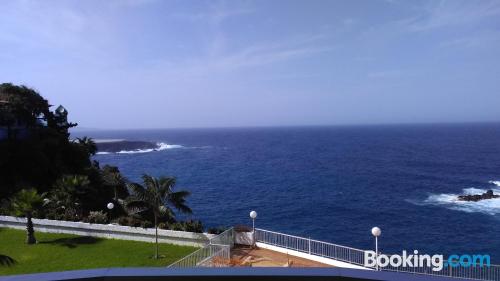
{"points": [[311, 247], [215, 254], [208, 256], [356, 256], [225, 238]]}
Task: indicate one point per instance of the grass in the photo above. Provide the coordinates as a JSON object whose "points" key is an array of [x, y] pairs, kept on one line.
{"points": [[60, 252]]}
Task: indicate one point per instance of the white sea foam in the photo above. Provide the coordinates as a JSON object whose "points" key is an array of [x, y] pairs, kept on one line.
{"points": [[163, 146], [472, 191], [136, 151], [497, 183], [160, 146], [450, 200]]}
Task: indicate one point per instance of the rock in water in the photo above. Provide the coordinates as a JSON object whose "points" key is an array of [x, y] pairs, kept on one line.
{"points": [[124, 145], [478, 197]]}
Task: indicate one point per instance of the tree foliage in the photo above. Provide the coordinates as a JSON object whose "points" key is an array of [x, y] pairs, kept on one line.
{"points": [[36, 150], [88, 144], [25, 203], [157, 196], [23, 105], [113, 179], [6, 260]]}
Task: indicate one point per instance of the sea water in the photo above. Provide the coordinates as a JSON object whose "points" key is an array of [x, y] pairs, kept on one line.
{"points": [[335, 183]]}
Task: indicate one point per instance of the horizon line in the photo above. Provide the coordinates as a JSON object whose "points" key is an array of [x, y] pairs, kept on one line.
{"points": [[289, 126]]}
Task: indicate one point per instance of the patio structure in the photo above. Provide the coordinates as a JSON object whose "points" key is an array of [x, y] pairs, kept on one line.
{"points": [[260, 257], [274, 249]]}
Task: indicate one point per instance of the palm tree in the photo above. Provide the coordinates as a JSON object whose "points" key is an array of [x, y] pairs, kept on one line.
{"points": [[112, 177], [69, 193], [24, 203], [158, 196], [89, 145], [6, 260]]}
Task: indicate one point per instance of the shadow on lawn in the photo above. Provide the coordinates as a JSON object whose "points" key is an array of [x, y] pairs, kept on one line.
{"points": [[73, 242]]}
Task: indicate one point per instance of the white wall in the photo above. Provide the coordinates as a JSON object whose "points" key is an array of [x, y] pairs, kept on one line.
{"points": [[243, 238], [110, 231]]}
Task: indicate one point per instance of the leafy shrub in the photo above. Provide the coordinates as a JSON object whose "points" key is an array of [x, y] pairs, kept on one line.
{"points": [[178, 226], [5, 207], [62, 214], [189, 225], [242, 228], [129, 221], [147, 224], [97, 217], [216, 230], [194, 226]]}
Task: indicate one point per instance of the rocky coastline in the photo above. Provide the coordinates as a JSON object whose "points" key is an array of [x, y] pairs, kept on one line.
{"points": [[478, 197]]}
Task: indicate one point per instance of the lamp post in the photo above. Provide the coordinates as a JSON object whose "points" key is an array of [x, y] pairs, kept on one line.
{"points": [[376, 233], [253, 216], [110, 207]]}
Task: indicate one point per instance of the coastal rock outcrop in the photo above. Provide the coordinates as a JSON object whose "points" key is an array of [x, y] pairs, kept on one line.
{"points": [[477, 197], [124, 145]]}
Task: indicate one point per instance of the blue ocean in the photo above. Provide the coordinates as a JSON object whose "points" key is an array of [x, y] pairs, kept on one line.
{"points": [[335, 183]]}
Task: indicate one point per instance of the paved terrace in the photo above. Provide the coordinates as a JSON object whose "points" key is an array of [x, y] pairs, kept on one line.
{"points": [[256, 257]]}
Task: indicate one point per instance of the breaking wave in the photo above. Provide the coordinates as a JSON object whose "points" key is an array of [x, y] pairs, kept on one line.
{"points": [[159, 147], [450, 201], [497, 183]]}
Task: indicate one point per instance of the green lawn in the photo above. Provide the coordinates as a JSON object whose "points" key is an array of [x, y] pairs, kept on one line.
{"points": [[59, 252]]}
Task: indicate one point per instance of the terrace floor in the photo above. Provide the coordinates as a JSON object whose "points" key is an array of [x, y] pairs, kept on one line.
{"points": [[257, 257]]}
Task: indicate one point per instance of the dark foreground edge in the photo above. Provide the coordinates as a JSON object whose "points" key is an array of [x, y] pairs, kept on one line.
{"points": [[253, 274]]}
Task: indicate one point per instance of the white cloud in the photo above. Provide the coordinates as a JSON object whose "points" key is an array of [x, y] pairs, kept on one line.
{"points": [[449, 13], [259, 54], [60, 27], [485, 38], [215, 13]]}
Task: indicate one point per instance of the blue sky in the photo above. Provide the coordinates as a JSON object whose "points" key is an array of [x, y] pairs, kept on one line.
{"points": [[160, 64]]}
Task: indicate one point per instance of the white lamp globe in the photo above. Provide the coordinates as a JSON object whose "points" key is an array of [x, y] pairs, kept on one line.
{"points": [[376, 231], [253, 214], [110, 205]]}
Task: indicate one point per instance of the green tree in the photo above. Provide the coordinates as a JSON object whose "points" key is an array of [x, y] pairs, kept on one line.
{"points": [[88, 144], [25, 203], [34, 147], [116, 186], [158, 196], [22, 105], [112, 178], [68, 196]]}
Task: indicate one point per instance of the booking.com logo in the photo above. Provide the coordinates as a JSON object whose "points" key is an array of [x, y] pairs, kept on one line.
{"points": [[436, 262]]}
